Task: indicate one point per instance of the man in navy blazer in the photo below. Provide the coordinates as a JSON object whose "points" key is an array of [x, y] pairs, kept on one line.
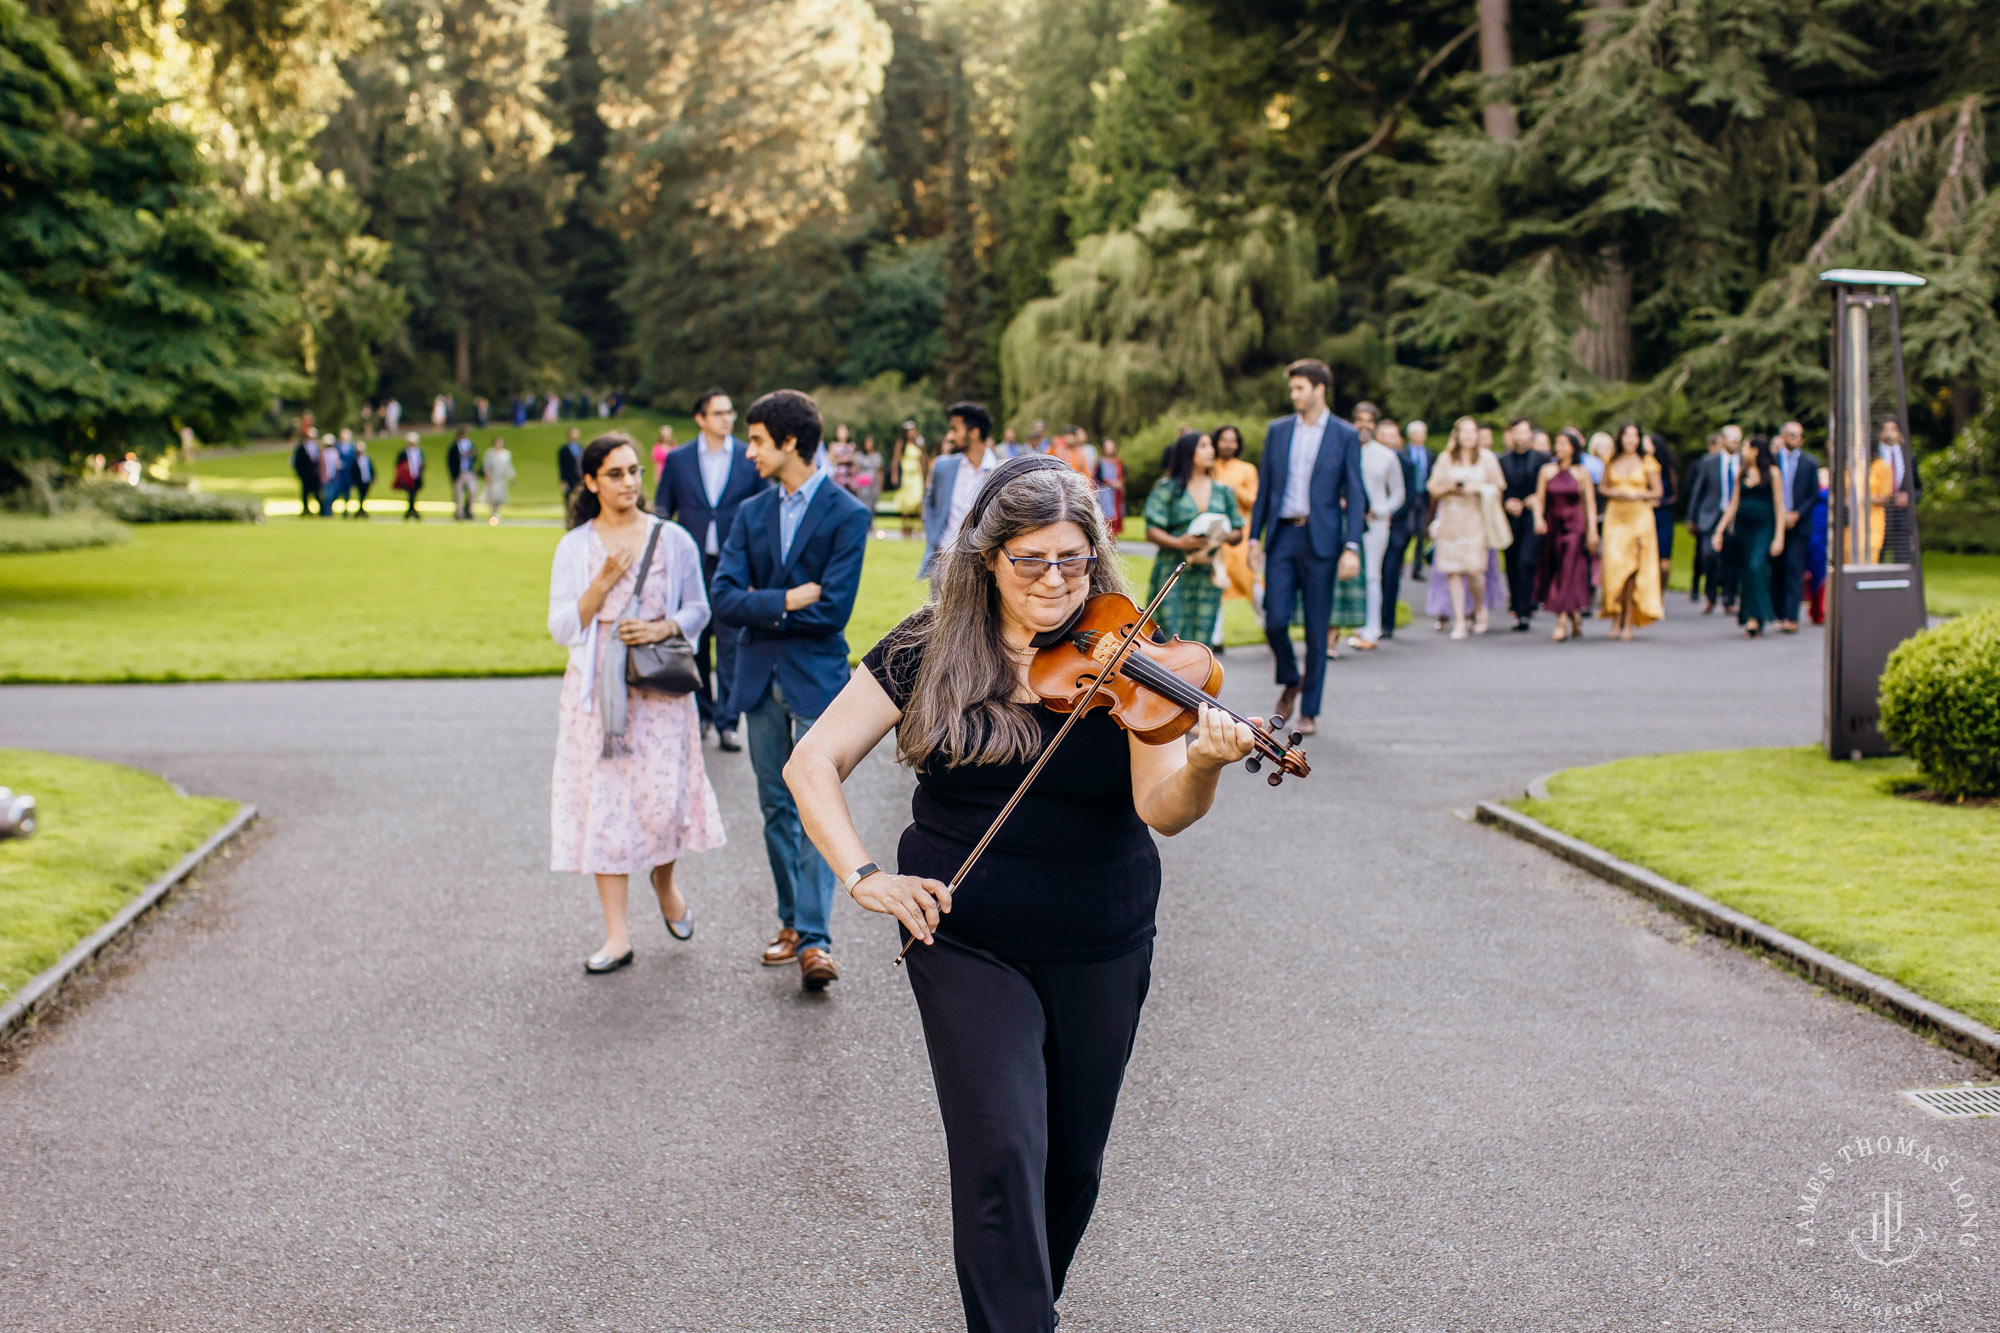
{"points": [[791, 566], [702, 484], [957, 476], [1305, 530], [1799, 472]]}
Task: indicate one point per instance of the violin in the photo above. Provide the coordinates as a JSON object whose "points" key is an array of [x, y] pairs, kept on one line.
{"points": [[1109, 654], [1153, 685]]}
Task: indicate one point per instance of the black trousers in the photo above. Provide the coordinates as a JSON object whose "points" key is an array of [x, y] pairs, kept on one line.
{"points": [[717, 642], [1028, 1059], [411, 511], [309, 495], [1392, 571], [1521, 556], [1788, 573]]}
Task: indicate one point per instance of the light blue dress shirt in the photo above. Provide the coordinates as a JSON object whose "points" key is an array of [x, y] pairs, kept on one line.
{"points": [[1296, 502], [714, 465], [792, 508]]}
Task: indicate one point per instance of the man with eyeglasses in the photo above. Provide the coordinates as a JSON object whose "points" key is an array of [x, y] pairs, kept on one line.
{"points": [[702, 485]]}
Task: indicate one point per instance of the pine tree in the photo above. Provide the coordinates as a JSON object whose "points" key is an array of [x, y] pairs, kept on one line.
{"points": [[589, 255], [964, 356], [126, 310], [447, 140]]}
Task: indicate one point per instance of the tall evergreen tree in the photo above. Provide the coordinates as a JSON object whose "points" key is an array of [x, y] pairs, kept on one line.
{"points": [[447, 139], [1072, 47], [126, 310], [964, 360], [588, 254]]}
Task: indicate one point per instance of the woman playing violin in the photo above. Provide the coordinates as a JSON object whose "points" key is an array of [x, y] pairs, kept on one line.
{"points": [[1033, 973]]}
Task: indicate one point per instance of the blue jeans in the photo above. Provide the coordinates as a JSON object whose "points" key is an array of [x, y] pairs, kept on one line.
{"points": [[805, 881]]}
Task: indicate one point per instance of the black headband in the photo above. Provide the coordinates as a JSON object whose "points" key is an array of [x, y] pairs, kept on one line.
{"points": [[1020, 465]]}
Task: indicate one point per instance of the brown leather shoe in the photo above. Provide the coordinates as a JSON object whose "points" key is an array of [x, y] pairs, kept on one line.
{"points": [[1288, 698], [816, 968], [783, 949]]}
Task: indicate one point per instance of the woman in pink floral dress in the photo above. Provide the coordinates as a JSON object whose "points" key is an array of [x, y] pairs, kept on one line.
{"points": [[630, 793]]}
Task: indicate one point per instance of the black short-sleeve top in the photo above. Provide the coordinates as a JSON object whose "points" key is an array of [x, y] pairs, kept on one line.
{"points": [[1072, 876]]}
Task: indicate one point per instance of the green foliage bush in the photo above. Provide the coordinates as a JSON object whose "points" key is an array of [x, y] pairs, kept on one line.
{"points": [[879, 407], [26, 534], [1142, 449], [1941, 704], [150, 503]]}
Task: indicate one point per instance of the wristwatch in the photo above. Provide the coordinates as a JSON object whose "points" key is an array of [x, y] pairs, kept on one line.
{"points": [[860, 873]]}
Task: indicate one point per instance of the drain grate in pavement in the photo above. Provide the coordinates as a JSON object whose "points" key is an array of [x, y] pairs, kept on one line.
{"points": [[1958, 1103]]}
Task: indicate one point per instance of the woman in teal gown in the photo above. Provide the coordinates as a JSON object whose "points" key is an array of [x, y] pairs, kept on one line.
{"points": [[1188, 490]]}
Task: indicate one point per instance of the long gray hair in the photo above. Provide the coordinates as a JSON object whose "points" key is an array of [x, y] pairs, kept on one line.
{"points": [[961, 707]]}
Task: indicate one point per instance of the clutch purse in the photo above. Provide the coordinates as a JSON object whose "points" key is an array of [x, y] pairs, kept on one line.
{"points": [[666, 667]]}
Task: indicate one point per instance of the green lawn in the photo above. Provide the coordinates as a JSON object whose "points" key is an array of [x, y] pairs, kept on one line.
{"points": [[537, 492], [1819, 849], [106, 832]]}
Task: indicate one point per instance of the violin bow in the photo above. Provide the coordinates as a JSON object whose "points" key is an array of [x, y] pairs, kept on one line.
{"points": [[1076, 711]]}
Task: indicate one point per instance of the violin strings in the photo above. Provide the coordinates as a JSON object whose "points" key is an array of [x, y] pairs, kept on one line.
{"points": [[1157, 678]]}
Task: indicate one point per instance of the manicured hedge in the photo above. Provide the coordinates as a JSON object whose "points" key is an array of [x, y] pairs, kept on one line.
{"points": [[1941, 704], [147, 503], [24, 534]]}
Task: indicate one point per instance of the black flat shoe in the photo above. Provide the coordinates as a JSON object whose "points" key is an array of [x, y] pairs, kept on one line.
{"points": [[599, 963], [682, 929]]}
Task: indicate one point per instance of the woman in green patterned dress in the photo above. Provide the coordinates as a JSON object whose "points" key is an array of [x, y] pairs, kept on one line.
{"points": [[1194, 609]]}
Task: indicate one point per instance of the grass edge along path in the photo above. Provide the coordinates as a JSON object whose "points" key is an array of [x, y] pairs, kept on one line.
{"points": [[107, 831], [1816, 848]]}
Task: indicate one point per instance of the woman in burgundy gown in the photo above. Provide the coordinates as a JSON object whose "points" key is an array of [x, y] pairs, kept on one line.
{"points": [[1565, 507]]}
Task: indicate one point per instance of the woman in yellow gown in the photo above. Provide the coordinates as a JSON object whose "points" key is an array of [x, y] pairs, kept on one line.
{"points": [[1631, 542], [1239, 475]]}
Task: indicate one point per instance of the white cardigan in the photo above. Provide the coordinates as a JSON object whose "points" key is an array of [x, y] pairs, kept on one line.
{"points": [[1382, 478], [673, 592]]}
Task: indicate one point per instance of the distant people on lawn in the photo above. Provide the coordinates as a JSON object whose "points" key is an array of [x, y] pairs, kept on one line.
{"points": [[392, 416], [331, 474], [461, 466], [409, 475], [701, 487], [569, 466], [305, 466], [496, 467], [360, 477], [663, 445], [630, 793], [909, 466], [790, 571]]}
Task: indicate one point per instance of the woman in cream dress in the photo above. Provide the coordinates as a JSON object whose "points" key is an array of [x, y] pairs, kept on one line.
{"points": [[1463, 473]]}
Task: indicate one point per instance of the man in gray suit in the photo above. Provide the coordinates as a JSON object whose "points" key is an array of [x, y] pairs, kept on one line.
{"points": [[1709, 488], [957, 476]]}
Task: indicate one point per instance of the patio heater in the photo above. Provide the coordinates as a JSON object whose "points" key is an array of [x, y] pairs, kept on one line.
{"points": [[1875, 581]]}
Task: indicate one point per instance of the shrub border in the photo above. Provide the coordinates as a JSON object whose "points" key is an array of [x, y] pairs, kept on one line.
{"points": [[1953, 1030], [18, 1014]]}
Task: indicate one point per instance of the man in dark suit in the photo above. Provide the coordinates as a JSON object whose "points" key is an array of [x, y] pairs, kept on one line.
{"points": [[1407, 524], [702, 485], [305, 466], [1799, 471], [791, 566], [1305, 530], [461, 466], [1704, 511], [569, 468], [1521, 470]]}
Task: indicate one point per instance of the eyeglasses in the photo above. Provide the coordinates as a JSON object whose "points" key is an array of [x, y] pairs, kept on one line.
{"points": [[1032, 568]]}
